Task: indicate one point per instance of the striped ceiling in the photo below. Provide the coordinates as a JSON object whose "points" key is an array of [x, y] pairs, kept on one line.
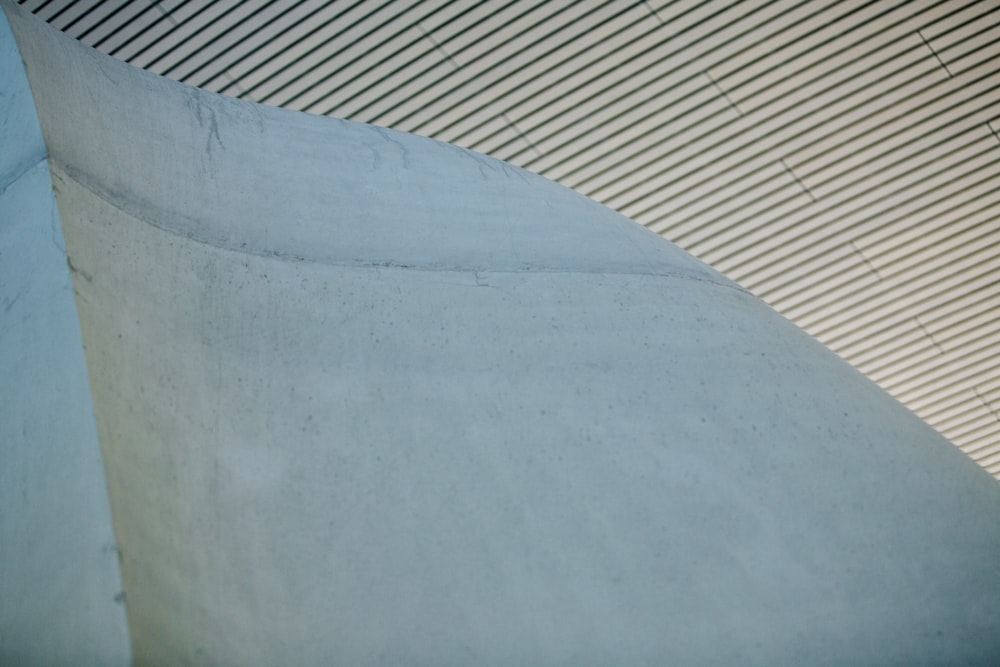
{"points": [[839, 159]]}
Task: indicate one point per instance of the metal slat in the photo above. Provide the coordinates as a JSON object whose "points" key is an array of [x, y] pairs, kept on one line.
{"points": [[340, 53]]}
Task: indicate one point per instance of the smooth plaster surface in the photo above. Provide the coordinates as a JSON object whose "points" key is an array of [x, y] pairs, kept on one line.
{"points": [[60, 590], [365, 398]]}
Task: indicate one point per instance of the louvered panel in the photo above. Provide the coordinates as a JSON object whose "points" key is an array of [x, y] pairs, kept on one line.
{"points": [[125, 29], [430, 60], [530, 32], [931, 95], [904, 376], [367, 56], [149, 34], [838, 51], [854, 219], [296, 47], [502, 126], [324, 48], [695, 33], [405, 93], [934, 247], [990, 462], [972, 428], [490, 25], [968, 422], [958, 25], [217, 73], [417, 90], [911, 347], [973, 412], [904, 321], [988, 458], [725, 206], [882, 162], [813, 244], [563, 115], [370, 41], [841, 267], [980, 394], [950, 334], [979, 448], [966, 41], [63, 15], [862, 199], [81, 17], [159, 30], [742, 155], [456, 23], [212, 42], [568, 112], [47, 9], [961, 371], [781, 137], [974, 314], [37, 7], [838, 158], [590, 34], [549, 84], [892, 300], [603, 176], [794, 298], [266, 49], [640, 115], [176, 32], [966, 391], [975, 437], [376, 67], [962, 404], [970, 314], [545, 80]]}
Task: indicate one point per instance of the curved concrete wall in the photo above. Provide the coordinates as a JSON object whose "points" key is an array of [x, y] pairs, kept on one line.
{"points": [[366, 398], [60, 590]]}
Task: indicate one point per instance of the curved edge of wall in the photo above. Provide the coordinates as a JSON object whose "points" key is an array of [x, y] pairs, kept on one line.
{"points": [[61, 600]]}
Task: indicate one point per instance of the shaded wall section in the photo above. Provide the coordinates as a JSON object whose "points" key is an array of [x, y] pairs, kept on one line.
{"points": [[61, 600]]}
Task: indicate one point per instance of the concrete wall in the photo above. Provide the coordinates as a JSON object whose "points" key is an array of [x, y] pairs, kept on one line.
{"points": [[60, 590], [369, 399]]}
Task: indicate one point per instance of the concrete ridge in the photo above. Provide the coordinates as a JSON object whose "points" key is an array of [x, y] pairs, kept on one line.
{"points": [[63, 171]]}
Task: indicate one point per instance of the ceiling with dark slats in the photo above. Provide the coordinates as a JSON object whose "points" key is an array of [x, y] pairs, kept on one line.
{"points": [[841, 159]]}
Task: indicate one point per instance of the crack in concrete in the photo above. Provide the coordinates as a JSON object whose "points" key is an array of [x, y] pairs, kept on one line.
{"points": [[386, 134], [206, 117]]}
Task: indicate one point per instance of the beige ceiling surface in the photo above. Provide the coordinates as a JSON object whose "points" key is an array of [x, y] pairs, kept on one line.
{"points": [[839, 159]]}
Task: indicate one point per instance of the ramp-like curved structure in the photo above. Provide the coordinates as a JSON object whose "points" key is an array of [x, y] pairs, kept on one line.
{"points": [[365, 398]]}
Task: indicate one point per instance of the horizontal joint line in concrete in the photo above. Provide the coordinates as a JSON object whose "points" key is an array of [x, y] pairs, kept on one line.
{"points": [[83, 182]]}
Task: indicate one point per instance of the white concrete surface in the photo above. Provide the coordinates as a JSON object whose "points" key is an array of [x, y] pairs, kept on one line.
{"points": [[60, 590], [368, 399]]}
